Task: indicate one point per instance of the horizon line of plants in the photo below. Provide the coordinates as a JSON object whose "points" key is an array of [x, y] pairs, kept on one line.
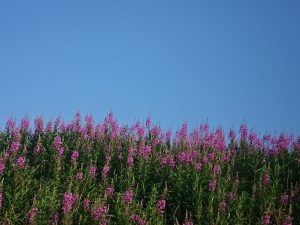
{"points": [[86, 173]]}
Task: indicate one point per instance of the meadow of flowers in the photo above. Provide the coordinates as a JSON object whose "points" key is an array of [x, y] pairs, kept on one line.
{"points": [[86, 173]]}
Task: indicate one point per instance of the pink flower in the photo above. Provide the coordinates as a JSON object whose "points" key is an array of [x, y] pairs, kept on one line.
{"points": [[79, 175], [266, 219], [188, 222], [60, 151], [244, 131], [32, 215], [128, 197], [75, 155], [109, 191], [2, 167], [92, 170], [231, 196], [14, 146], [138, 220], [167, 160], [57, 142], [222, 205], [69, 200], [99, 212], [86, 204], [130, 161], [284, 198], [25, 124], [161, 205], [217, 170], [232, 134], [20, 163], [105, 170], [53, 219], [265, 179], [287, 221], [10, 124], [212, 185], [0, 200]]}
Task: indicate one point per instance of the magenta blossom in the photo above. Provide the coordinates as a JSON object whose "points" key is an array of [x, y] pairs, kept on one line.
{"points": [[266, 219], [109, 191], [212, 185], [92, 170], [0, 200], [75, 155], [68, 202], [2, 167], [79, 175], [100, 212], [32, 215], [14, 146], [86, 204], [265, 179], [20, 163], [128, 195], [53, 219], [222, 205], [105, 170], [161, 205]]}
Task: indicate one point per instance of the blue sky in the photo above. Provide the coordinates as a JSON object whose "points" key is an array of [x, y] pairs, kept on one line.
{"points": [[221, 61]]}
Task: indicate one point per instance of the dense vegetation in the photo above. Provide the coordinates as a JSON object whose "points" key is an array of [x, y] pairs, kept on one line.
{"points": [[86, 173]]}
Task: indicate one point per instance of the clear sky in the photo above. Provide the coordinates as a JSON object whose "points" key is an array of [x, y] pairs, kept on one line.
{"points": [[224, 62]]}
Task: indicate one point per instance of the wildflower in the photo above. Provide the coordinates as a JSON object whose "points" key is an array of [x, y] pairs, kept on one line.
{"points": [[287, 221], [212, 185], [188, 222], [20, 163], [148, 121], [128, 197], [0, 200], [53, 219], [10, 124], [231, 196], [217, 170], [161, 205], [198, 166], [68, 202], [57, 142], [244, 131], [92, 170], [32, 215], [284, 199], [25, 124], [86, 204], [60, 151], [138, 220], [2, 167], [232, 134], [266, 219], [265, 179], [79, 175], [109, 191], [38, 124], [130, 160], [99, 212], [14, 146], [167, 160], [37, 148], [49, 126], [222, 205], [105, 170], [74, 156]]}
